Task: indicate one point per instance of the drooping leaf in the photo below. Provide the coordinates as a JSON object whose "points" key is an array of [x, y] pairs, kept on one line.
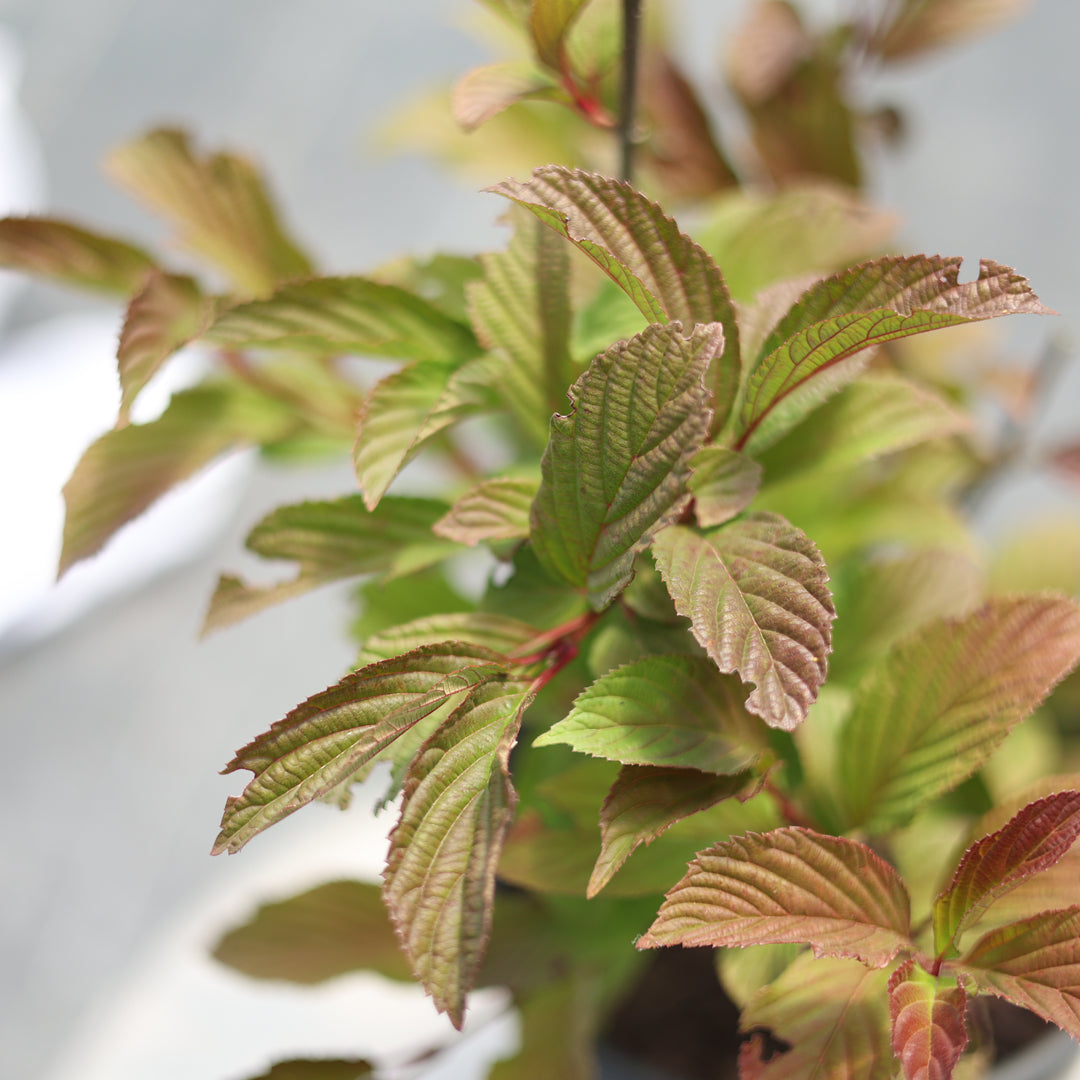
{"points": [[69, 254], [1033, 841], [319, 1069], [1034, 964], [675, 711], [127, 469], [219, 205], [756, 595], [919, 25], [439, 883], [789, 885], [723, 484], [934, 710], [549, 23], [494, 632], [333, 539], [616, 467], [928, 1032], [332, 735], [496, 509]]}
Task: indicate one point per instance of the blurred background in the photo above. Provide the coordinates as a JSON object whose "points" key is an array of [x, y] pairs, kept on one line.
{"points": [[115, 717]]}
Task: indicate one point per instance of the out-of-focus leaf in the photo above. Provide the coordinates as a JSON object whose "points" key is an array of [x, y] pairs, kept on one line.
{"points": [[532, 595], [756, 594], [219, 205], [485, 91], [928, 1032], [494, 632], [549, 23], [723, 484], [320, 1069], [743, 972], [441, 280], [1041, 555], [496, 509], [69, 254], [386, 604], [919, 25], [615, 470], [127, 469]]}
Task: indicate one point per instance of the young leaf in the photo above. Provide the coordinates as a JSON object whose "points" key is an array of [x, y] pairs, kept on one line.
{"points": [[1033, 841], [485, 91], [319, 1069], [756, 595], [934, 710], [218, 203], [496, 509], [615, 470], [675, 711], [1034, 964], [439, 883], [66, 253], [345, 314], [919, 25], [549, 23], [127, 469], [329, 737], [928, 1031], [789, 885], [494, 632], [723, 484]]}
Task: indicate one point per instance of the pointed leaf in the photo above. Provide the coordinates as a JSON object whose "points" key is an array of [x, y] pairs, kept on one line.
{"points": [[439, 883], [756, 595], [1033, 841], [928, 1032], [789, 885], [927, 24], [496, 509], [1034, 964], [66, 253], [549, 23], [494, 632], [676, 711], [485, 91], [934, 710], [329, 737], [615, 470], [723, 484], [320, 1069]]}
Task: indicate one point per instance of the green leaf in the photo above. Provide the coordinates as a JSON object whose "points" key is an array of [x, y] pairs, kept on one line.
{"points": [[634, 242], [789, 885], [644, 802], [441, 280], [936, 708], [532, 595], [316, 935], [320, 1069], [494, 632], [1034, 840], [610, 315], [928, 1032], [549, 23], [615, 470], [333, 539], [439, 883], [756, 595], [66, 253], [127, 469], [743, 972], [675, 711], [386, 604], [218, 204], [166, 313], [723, 484], [1034, 964], [521, 311], [332, 735], [496, 509], [485, 91], [345, 314], [919, 25]]}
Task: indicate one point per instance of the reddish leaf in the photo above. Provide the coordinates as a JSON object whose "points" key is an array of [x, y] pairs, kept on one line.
{"points": [[928, 1032]]}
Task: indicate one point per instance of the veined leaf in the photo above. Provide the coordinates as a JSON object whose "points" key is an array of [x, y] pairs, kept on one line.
{"points": [[631, 239], [1033, 841], [789, 885], [67, 253], [723, 484], [934, 710], [320, 1069], [127, 469], [1034, 964], [496, 509], [329, 737], [439, 883], [345, 314], [675, 711], [485, 91], [756, 595], [833, 1014], [218, 203], [333, 539], [928, 1032], [495, 632], [927, 24], [615, 470], [549, 23], [644, 802]]}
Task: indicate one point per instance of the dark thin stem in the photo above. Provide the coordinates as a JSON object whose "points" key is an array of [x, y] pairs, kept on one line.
{"points": [[628, 94]]}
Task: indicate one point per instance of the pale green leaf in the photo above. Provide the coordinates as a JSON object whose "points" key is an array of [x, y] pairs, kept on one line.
{"points": [[549, 22], [723, 484], [757, 597], [319, 1069], [441, 280], [495, 632], [610, 315], [928, 1029], [532, 595], [919, 25], [496, 509], [485, 91], [743, 972], [615, 470]]}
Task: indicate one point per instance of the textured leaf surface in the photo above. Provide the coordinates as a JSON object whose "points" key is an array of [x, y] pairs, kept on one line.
{"points": [[63, 252], [439, 882], [329, 737], [218, 203], [496, 509], [928, 1032], [319, 1069], [755, 592], [676, 711], [615, 470], [927, 716], [789, 885], [1034, 964], [485, 91], [723, 484], [1033, 841], [495, 632]]}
